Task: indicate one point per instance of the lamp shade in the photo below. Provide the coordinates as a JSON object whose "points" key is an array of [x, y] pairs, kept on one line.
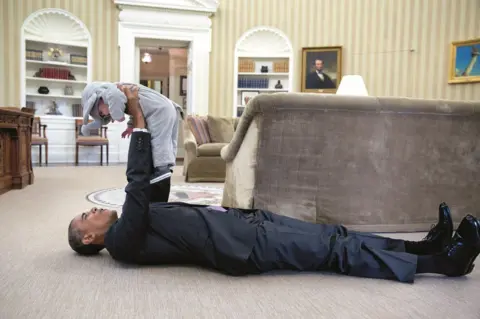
{"points": [[352, 85]]}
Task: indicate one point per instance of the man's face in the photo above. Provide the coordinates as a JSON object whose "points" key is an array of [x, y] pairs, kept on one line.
{"points": [[94, 223], [319, 65]]}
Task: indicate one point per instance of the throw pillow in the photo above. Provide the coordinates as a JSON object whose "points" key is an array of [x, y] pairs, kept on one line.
{"points": [[220, 128], [199, 128]]}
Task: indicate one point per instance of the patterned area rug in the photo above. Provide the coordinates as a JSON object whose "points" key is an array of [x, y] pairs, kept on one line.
{"points": [[192, 194]]}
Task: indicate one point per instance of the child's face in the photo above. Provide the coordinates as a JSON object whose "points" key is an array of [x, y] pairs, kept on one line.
{"points": [[103, 108]]}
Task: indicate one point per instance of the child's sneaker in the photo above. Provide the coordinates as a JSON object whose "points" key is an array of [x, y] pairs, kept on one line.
{"points": [[159, 174]]}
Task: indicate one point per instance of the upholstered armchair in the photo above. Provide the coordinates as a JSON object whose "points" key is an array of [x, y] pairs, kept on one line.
{"points": [[98, 137], [39, 138]]}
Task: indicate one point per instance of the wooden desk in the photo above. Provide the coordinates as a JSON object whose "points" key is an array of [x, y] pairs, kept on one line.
{"points": [[15, 148]]}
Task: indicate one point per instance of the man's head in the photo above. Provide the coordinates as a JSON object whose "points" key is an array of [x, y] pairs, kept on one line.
{"points": [[86, 232], [318, 65]]}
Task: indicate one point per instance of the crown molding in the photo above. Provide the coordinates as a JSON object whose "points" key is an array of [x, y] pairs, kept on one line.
{"points": [[200, 6]]}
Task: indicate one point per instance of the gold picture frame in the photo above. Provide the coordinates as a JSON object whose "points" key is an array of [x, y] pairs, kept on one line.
{"points": [[329, 59], [464, 62]]}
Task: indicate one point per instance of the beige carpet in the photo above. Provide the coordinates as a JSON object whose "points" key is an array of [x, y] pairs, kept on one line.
{"points": [[41, 278]]}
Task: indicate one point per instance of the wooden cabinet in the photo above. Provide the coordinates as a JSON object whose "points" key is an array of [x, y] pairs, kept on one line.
{"points": [[15, 148]]}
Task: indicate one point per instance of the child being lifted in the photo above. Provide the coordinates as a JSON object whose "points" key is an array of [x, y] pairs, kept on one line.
{"points": [[106, 102]]}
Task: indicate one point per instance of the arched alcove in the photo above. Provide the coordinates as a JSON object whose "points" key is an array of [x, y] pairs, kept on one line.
{"points": [[65, 76], [257, 47], [54, 27]]}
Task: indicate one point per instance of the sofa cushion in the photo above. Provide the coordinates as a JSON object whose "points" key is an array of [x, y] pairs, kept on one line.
{"points": [[210, 149], [221, 129], [198, 126]]}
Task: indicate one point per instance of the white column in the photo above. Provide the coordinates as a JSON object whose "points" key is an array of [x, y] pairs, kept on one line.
{"points": [[200, 68], [126, 42]]}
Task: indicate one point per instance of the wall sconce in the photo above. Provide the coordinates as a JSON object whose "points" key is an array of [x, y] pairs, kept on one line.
{"points": [[147, 58]]}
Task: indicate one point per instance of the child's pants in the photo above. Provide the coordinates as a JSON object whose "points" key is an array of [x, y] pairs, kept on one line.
{"points": [[162, 122]]}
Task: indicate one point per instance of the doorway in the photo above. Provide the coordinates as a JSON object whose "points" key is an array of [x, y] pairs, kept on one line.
{"points": [[163, 66]]}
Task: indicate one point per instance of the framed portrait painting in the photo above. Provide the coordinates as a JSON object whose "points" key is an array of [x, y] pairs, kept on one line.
{"points": [[464, 61], [321, 69]]}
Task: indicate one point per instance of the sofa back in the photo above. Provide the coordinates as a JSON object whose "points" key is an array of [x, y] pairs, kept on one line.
{"points": [[381, 164]]}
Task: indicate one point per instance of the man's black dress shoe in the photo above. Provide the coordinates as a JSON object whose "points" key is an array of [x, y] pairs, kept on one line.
{"points": [[460, 254], [441, 234]]}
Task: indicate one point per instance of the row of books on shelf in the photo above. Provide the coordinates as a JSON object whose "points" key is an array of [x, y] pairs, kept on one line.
{"points": [[252, 83], [54, 73]]}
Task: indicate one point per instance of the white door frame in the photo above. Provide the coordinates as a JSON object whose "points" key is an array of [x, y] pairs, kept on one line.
{"points": [[137, 21]]}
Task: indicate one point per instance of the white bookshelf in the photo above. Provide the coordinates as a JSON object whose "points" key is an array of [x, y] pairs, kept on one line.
{"points": [[56, 85], [54, 29], [256, 49]]}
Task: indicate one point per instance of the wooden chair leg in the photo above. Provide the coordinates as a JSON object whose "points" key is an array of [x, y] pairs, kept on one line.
{"points": [[101, 155], [46, 154], [76, 155], [107, 154], [40, 155]]}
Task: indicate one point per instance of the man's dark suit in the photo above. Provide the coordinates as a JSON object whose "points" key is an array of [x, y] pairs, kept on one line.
{"points": [[314, 82], [239, 242]]}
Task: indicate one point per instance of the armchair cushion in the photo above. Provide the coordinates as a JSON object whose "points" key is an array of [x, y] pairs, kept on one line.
{"points": [[210, 149], [92, 140], [37, 139], [221, 129], [198, 126]]}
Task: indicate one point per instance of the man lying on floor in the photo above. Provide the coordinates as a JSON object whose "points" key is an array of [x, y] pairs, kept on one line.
{"points": [[240, 242]]}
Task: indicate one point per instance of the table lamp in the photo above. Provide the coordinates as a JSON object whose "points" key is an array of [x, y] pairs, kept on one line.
{"points": [[352, 85]]}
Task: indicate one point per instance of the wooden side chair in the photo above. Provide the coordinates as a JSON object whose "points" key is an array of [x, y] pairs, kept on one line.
{"points": [[39, 138], [98, 137]]}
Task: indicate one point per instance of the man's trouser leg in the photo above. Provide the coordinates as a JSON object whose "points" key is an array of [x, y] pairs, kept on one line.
{"points": [[369, 239], [325, 249], [160, 191]]}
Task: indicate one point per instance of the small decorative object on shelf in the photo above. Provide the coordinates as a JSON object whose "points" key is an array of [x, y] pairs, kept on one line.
{"points": [[264, 69], [68, 90], [53, 109], [78, 59], [43, 90], [36, 55], [246, 66], [252, 83], [77, 110], [279, 85], [55, 53], [246, 96], [280, 67]]}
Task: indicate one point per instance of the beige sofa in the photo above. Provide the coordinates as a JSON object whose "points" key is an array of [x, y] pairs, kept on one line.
{"points": [[202, 162], [373, 164]]}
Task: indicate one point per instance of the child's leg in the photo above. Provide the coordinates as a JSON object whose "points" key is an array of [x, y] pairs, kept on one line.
{"points": [[161, 124], [175, 137], [160, 191]]}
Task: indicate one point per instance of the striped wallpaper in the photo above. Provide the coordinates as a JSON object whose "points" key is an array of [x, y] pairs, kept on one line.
{"points": [[376, 36], [100, 17]]}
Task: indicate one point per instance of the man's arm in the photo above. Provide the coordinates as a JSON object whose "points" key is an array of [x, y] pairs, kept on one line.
{"points": [[131, 228]]}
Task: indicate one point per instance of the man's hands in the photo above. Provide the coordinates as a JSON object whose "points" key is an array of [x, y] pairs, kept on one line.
{"points": [[134, 109]]}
